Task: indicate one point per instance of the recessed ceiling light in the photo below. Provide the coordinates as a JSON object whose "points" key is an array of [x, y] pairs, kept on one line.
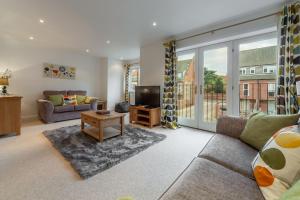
{"points": [[42, 21], [108, 42], [31, 38], [121, 58], [154, 24], [87, 50]]}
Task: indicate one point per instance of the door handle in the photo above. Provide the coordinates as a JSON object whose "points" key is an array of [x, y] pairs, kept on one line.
{"points": [[195, 89], [200, 89]]}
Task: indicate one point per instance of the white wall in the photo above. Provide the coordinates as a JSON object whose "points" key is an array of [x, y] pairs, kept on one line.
{"points": [[112, 84], [27, 77], [115, 83], [152, 62]]}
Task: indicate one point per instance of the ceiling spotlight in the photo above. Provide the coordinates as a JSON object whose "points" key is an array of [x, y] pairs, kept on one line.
{"points": [[121, 58], [87, 50], [31, 38], [42, 21], [108, 42], [154, 24]]}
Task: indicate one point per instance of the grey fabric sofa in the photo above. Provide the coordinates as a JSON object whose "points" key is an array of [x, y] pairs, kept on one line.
{"points": [[222, 170], [49, 113]]}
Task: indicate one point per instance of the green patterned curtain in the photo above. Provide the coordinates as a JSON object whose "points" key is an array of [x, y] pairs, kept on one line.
{"points": [[289, 60], [169, 107], [127, 66]]}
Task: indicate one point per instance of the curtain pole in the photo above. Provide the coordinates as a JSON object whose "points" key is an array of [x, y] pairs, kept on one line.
{"points": [[229, 26]]}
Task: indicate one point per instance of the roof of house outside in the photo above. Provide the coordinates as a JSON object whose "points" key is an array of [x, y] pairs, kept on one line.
{"points": [[261, 56]]}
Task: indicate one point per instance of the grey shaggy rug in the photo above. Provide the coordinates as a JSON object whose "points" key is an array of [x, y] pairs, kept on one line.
{"points": [[89, 157]]}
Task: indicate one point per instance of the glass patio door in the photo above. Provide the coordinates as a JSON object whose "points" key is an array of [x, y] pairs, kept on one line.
{"points": [[203, 84], [187, 81], [215, 84]]}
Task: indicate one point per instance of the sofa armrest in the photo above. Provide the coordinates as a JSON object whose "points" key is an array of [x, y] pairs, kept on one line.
{"points": [[46, 109], [231, 126]]}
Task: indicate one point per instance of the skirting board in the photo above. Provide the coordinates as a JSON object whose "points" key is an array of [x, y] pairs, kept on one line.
{"points": [[29, 118]]}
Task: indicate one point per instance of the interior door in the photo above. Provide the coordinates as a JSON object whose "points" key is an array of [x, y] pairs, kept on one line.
{"points": [[187, 87], [215, 84]]}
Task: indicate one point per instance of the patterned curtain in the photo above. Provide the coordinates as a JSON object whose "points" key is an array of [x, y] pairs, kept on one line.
{"points": [[127, 66], [289, 60], [169, 107]]}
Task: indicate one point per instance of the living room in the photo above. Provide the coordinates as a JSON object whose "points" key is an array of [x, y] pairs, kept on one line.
{"points": [[144, 100]]}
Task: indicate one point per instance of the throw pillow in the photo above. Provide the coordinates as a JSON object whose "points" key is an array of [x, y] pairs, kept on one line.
{"points": [[70, 100], [260, 128], [276, 167], [57, 100], [88, 100], [80, 99], [293, 193]]}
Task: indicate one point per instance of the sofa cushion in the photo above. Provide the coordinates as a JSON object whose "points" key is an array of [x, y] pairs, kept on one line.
{"points": [[70, 100], [82, 107], [56, 100], [260, 128], [293, 193], [61, 109], [230, 152], [205, 179], [276, 167], [80, 99], [76, 92]]}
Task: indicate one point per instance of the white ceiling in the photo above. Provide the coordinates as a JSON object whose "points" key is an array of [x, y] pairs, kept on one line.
{"points": [[88, 24]]}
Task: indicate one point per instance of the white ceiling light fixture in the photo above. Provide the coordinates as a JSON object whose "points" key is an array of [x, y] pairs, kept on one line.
{"points": [[42, 21], [107, 41], [154, 24], [121, 58], [31, 38], [87, 50]]}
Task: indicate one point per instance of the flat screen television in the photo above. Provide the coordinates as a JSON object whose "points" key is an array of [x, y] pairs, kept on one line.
{"points": [[147, 96]]}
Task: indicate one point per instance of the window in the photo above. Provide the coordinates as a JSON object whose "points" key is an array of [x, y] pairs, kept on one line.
{"points": [[134, 78], [252, 70], [269, 69], [243, 71], [271, 89], [246, 89]]}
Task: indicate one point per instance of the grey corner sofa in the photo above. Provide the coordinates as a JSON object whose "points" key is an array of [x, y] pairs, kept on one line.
{"points": [[49, 113], [222, 170]]}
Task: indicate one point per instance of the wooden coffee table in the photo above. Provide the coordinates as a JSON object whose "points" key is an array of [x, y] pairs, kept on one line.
{"points": [[100, 122]]}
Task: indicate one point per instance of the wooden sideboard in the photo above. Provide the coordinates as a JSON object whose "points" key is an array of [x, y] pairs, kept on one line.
{"points": [[145, 116], [10, 114]]}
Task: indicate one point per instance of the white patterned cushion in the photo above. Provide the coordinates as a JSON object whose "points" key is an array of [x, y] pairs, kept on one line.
{"points": [[277, 165]]}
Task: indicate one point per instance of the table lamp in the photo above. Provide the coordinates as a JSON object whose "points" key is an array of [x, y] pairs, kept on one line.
{"points": [[4, 83]]}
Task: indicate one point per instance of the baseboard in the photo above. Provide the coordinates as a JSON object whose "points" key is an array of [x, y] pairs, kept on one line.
{"points": [[29, 118]]}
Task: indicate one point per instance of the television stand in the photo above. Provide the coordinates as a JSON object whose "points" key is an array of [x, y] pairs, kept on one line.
{"points": [[145, 116]]}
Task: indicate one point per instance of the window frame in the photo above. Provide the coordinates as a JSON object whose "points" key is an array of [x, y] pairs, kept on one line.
{"points": [[248, 90], [273, 89], [244, 71], [252, 68], [134, 67], [270, 69]]}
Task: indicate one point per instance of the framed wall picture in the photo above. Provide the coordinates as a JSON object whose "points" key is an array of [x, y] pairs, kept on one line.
{"points": [[59, 71]]}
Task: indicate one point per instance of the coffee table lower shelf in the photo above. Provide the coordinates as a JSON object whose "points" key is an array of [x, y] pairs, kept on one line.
{"points": [[107, 132]]}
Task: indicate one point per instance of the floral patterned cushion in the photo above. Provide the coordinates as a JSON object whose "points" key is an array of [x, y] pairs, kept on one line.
{"points": [[70, 100]]}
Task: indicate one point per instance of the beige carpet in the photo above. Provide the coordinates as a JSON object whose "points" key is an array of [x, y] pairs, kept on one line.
{"points": [[30, 168]]}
